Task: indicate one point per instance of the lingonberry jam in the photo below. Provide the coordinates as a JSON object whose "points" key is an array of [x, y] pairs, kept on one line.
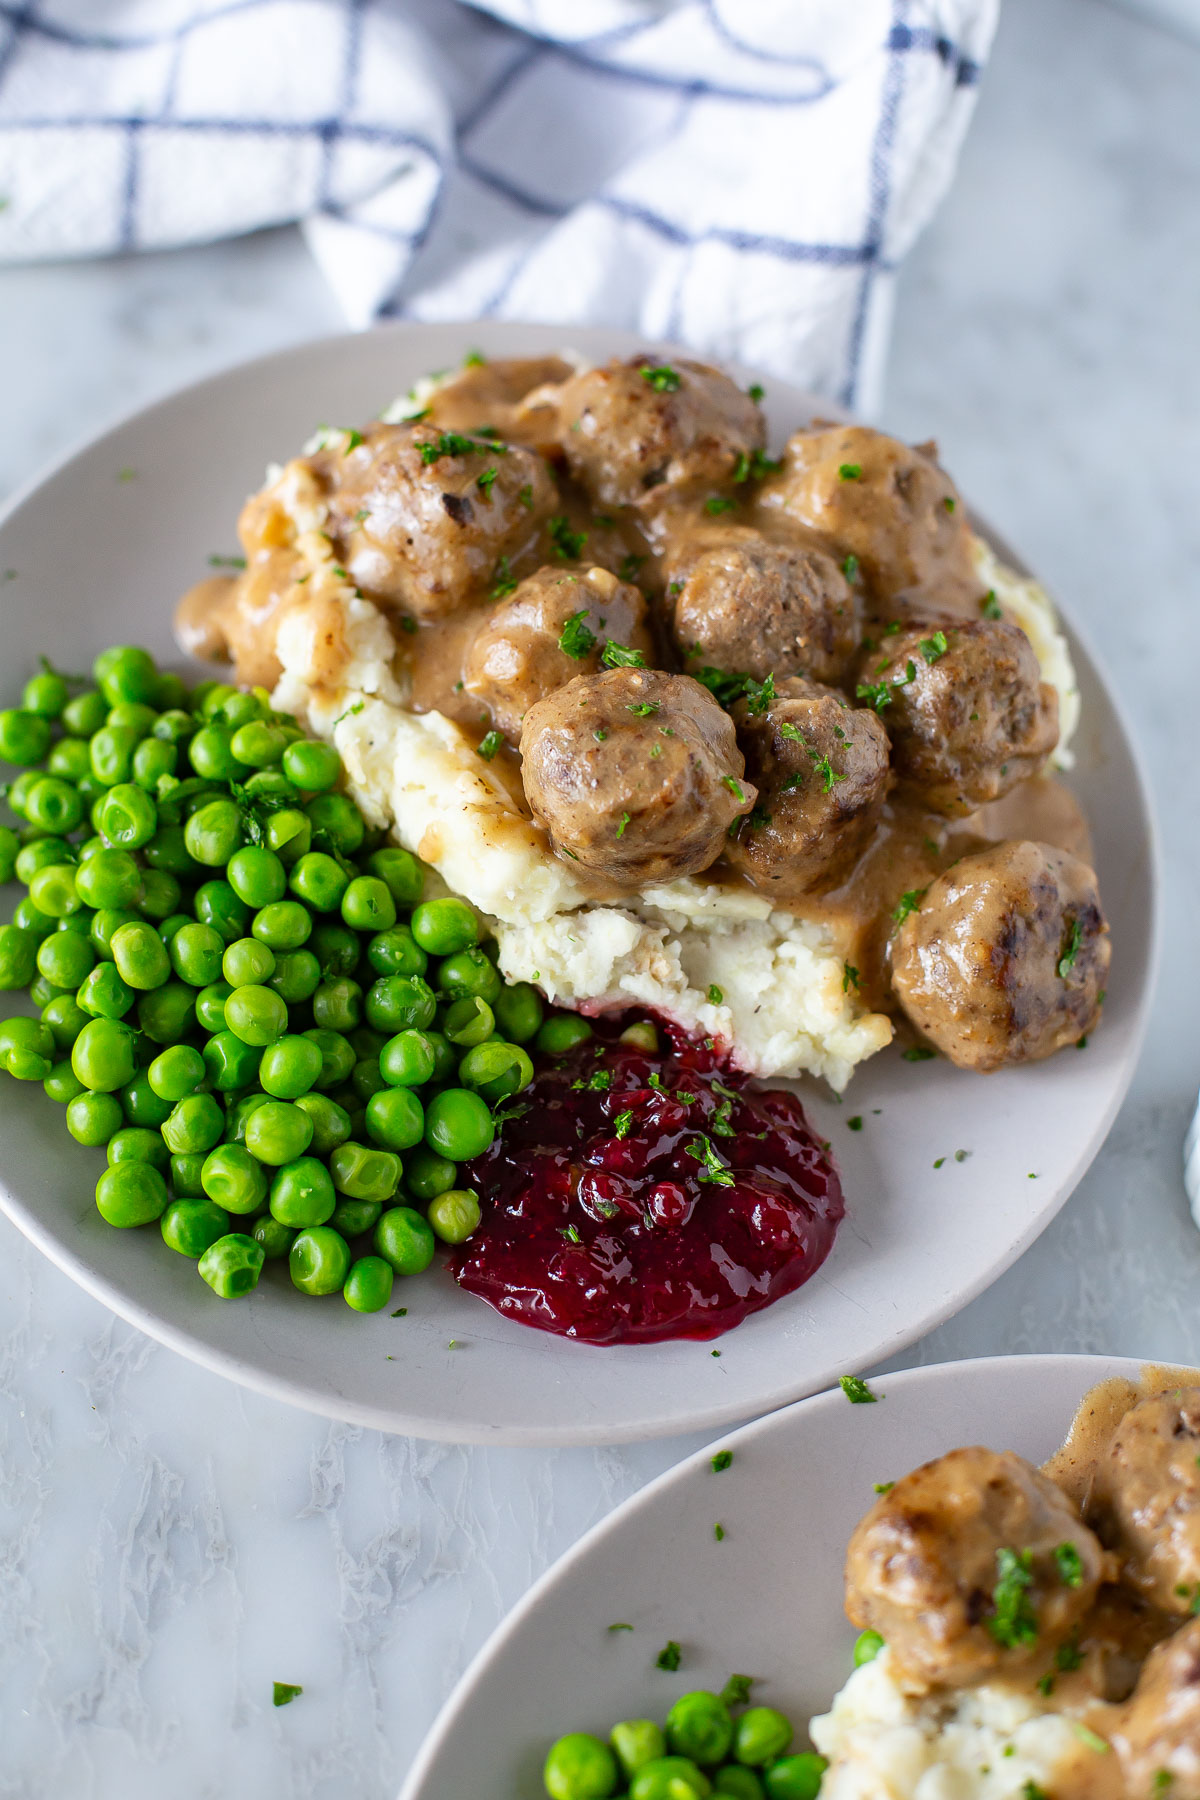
{"points": [[638, 1196]]}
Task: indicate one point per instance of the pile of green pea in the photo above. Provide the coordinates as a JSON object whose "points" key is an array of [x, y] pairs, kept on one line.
{"points": [[706, 1748], [243, 996]]}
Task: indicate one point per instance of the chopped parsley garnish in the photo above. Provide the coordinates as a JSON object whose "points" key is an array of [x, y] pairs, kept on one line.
{"points": [[989, 606], [642, 709], [850, 471], [624, 822], [717, 504], [949, 503], [350, 711], [401, 1312], [720, 1120], [226, 562], [759, 694], [724, 686], [715, 996], [1091, 1738], [735, 787], [571, 1233], [757, 392], [676, 587], [1071, 947], [620, 656], [940, 1163], [623, 1124], [908, 903], [856, 1390], [817, 758], [1069, 1564], [849, 977], [600, 735], [719, 1533], [714, 1170], [669, 1657], [525, 496], [598, 1082], [933, 647], [1014, 1621], [753, 466], [854, 1124], [1163, 1779], [453, 443], [284, 1692], [721, 1461], [755, 820], [1046, 1685], [576, 639], [489, 744], [630, 566], [620, 1626], [661, 377], [883, 1487], [1068, 1657], [1031, 1789], [503, 580], [919, 1053], [736, 1691], [484, 482], [850, 566], [568, 544]]}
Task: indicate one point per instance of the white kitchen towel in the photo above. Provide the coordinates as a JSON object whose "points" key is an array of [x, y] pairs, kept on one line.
{"points": [[740, 175]]}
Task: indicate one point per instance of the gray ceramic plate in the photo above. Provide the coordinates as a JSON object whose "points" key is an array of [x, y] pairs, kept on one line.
{"points": [[99, 550], [765, 1601]]}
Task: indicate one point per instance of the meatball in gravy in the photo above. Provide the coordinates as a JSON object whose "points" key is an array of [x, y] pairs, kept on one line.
{"points": [[1003, 959], [924, 1566], [635, 774], [639, 433], [966, 709], [821, 770], [1159, 1734], [551, 629], [743, 602], [1148, 1493]]}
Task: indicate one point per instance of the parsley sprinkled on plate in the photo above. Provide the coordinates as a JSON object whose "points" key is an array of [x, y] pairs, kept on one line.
{"points": [[669, 1657], [719, 1533], [721, 1461], [854, 1124], [625, 817], [576, 639], [856, 1390], [920, 1053], [484, 482], [1014, 1621], [488, 745], [883, 1487], [757, 392], [717, 504], [908, 903], [620, 1626], [715, 996], [989, 606], [849, 977], [934, 647], [284, 1692], [620, 656], [661, 377], [568, 544]]}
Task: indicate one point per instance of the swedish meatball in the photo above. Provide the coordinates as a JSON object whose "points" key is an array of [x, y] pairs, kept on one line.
{"points": [[1004, 957], [640, 432], [634, 773], [553, 628], [1148, 1487], [926, 1567], [422, 518], [885, 503], [1159, 1731], [745, 603], [821, 770], [966, 709]]}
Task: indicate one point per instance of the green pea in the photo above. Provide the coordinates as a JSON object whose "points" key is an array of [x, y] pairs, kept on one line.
{"points": [[152, 760], [367, 904], [64, 1018], [366, 1080], [196, 953], [32, 919], [234, 1179], [212, 755], [580, 1767], [103, 1056], [142, 1105], [24, 736], [562, 1032], [363, 1173], [275, 1239], [278, 1132], [10, 845], [407, 1060], [637, 1741], [458, 1124], [368, 1285], [38, 852], [297, 976], [337, 1056], [699, 1727], [126, 673], [290, 1067], [405, 1240], [214, 833], [138, 1143], [867, 1646], [397, 1003], [85, 714], [311, 764], [284, 925], [232, 1265], [468, 1021], [400, 871], [256, 876], [127, 816], [217, 905], [210, 1005], [43, 991], [110, 752], [444, 926], [45, 695], [469, 973], [258, 744], [247, 963], [330, 1122], [337, 1004], [762, 1736], [167, 1013], [193, 1226], [93, 1118], [289, 834], [302, 1193], [353, 1218], [395, 1118], [65, 958], [496, 1070], [185, 1178], [519, 1011], [737, 1783], [131, 1193], [336, 816], [176, 1073], [140, 956], [795, 1777], [161, 894], [54, 806], [426, 1175], [104, 923], [238, 708], [319, 880], [195, 1125], [319, 1260], [173, 725], [168, 851], [455, 1214], [209, 697], [61, 1084], [670, 1778], [256, 1014], [18, 957], [336, 949], [69, 760], [27, 1049], [53, 891], [396, 952]]}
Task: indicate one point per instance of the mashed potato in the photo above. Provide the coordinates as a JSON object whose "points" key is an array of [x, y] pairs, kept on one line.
{"points": [[718, 959], [984, 1743]]}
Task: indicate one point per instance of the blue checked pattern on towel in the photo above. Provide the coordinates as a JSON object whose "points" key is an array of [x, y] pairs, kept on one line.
{"points": [[740, 175]]}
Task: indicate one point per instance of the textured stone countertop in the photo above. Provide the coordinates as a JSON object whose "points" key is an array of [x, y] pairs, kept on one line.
{"points": [[169, 1544]]}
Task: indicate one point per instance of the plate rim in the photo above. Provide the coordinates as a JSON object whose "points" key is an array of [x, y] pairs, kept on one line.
{"points": [[229, 1363]]}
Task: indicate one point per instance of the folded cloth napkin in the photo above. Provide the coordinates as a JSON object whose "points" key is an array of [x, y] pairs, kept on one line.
{"points": [[740, 175]]}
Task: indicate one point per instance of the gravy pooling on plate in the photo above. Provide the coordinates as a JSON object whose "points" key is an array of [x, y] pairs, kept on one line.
{"points": [[690, 658]]}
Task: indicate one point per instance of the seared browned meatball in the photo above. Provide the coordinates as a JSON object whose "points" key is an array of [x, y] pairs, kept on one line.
{"points": [[634, 773], [553, 628], [966, 1568], [1148, 1486], [1159, 1733], [640, 432], [744, 603], [883, 502], [426, 520], [821, 770], [1003, 959], [966, 709]]}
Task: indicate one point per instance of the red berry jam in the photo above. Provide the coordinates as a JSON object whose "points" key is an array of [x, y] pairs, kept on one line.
{"points": [[640, 1196]]}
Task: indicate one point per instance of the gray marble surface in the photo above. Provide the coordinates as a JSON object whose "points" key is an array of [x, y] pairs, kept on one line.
{"points": [[170, 1545]]}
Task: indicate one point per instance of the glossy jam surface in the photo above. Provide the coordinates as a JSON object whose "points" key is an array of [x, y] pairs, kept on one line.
{"points": [[640, 1196]]}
